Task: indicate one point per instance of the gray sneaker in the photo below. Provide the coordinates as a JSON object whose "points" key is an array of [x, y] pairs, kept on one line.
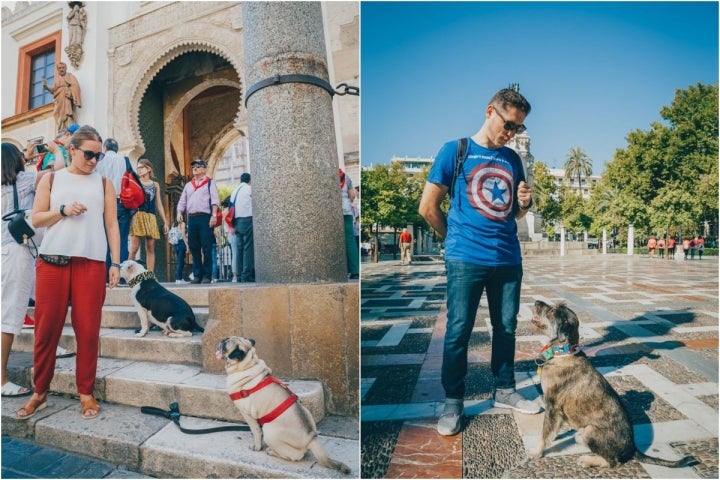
{"points": [[450, 422], [510, 398]]}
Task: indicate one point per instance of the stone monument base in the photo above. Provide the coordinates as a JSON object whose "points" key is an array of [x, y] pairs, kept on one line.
{"points": [[302, 331]]}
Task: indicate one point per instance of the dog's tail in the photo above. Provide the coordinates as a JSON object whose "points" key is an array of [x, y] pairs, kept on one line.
{"points": [[323, 459], [687, 461], [194, 327]]}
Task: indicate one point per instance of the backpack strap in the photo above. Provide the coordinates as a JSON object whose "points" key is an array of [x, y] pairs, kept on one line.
{"points": [[462, 153]]}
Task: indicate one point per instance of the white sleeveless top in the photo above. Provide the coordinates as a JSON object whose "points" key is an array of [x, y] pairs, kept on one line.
{"points": [[83, 235]]}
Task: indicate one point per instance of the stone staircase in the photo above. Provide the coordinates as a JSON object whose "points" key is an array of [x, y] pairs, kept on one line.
{"points": [[156, 370]]}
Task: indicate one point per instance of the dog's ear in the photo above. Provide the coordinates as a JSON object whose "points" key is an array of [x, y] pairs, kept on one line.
{"points": [[252, 340], [567, 325], [237, 354]]}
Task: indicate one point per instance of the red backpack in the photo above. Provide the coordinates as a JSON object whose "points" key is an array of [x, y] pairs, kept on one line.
{"points": [[132, 195]]}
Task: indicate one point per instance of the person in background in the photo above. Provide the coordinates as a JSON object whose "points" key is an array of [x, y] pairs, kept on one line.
{"points": [[482, 250], [243, 224], [231, 240], [181, 248], [700, 246], [199, 199], [144, 223], [80, 204], [347, 195], [18, 264], [113, 168], [405, 247]]}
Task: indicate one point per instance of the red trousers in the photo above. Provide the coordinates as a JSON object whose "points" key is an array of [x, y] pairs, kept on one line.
{"points": [[82, 282]]}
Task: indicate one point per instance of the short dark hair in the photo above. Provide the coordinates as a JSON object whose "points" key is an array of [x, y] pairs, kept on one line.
{"points": [[111, 144], [245, 178], [508, 96]]}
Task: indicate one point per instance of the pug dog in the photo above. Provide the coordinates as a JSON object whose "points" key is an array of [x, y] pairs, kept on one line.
{"points": [[157, 304], [576, 393], [270, 409]]}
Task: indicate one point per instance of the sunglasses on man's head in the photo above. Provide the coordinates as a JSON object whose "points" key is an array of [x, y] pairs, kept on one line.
{"points": [[510, 126], [89, 154]]}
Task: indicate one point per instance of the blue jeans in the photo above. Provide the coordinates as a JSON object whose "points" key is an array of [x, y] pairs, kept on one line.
{"points": [[465, 285], [180, 251], [124, 216]]}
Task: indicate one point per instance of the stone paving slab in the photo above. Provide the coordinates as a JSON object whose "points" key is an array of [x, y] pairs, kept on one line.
{"points": [[655, 341]]}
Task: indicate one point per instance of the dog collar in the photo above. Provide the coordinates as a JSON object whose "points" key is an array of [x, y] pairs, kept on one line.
{"points": [[550, 351], [279, 409], [147, 275]]}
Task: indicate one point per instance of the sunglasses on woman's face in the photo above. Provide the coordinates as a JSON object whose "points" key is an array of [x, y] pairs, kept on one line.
{"points": [[89, 154]]}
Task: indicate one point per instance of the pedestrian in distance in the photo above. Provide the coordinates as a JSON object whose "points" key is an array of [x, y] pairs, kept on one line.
{"points": [[482, 250], [200, 200], [144, 223], [652, 243], [405, 247], [78, 207]]}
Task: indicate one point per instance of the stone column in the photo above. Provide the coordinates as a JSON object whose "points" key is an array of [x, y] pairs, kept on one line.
{"points": [[562, 241], [631, 239], [297, 213], [604, 240]]}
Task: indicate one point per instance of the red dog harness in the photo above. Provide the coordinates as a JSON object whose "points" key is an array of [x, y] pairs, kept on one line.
{"points": [[280, 408]]}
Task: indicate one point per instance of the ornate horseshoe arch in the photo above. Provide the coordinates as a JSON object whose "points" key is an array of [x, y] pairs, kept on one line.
{"points": [[191, 41]]}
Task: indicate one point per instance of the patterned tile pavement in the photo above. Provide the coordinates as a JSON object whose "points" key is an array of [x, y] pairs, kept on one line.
{"points": [[649, 325]]}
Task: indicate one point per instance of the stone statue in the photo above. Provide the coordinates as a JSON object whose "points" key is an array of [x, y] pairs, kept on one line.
{"points": [[77, 24], [66, 97]]}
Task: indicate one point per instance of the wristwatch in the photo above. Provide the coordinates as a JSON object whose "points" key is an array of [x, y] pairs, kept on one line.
{"points": [[526, 207], [62, 211]]}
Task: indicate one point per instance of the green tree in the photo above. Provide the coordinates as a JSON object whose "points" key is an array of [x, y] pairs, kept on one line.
{"points": [[390, 198], [668, 175], [577, 165], [545, 196]]}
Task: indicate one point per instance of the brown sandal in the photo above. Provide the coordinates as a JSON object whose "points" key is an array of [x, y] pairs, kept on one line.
{"points": [[89, 404], [32, 406]]}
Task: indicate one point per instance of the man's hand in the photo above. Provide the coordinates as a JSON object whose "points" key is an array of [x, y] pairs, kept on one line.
{"points": [[524, 194]]}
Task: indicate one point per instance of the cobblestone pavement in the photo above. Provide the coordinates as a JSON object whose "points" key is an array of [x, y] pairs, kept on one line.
{"points": [[22, 459], [649, 325]]}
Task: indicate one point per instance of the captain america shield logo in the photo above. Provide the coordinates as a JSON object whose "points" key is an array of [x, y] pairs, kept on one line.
{"points": [[490, 189]]}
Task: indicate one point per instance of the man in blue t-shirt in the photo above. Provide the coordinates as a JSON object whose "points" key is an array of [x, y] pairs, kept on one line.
{"points": [[482, 250]]}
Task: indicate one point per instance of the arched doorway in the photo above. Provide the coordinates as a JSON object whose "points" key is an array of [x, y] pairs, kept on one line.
{"points": [[188, 110]]}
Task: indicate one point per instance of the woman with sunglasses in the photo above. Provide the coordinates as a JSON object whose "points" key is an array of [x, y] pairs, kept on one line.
{"points": [[144, 222], [78, 208]]}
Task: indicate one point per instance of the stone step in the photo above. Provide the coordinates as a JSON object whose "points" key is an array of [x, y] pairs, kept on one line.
{"points": [[154, 446], [140, 383], [126, 316], [123, 344], [195, 295]]}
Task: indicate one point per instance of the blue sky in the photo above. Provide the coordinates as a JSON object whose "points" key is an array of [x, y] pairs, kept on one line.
{"points": [[593, 72]]}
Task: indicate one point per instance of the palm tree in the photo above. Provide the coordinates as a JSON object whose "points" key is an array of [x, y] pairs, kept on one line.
{"points": [[577, 164]]}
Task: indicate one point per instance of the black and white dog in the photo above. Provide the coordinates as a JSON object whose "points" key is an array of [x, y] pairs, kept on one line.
{"points": [[156, 304]]}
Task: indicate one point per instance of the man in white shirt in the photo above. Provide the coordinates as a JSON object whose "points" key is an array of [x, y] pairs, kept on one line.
{"points": [[112, 167], [242, 199]]}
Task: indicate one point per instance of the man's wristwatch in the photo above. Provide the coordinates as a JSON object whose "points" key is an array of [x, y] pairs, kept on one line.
{"points": [[62, 211], [526, 207]]}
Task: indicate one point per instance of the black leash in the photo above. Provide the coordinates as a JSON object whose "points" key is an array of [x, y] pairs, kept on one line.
{"points": [[174, 415]]}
